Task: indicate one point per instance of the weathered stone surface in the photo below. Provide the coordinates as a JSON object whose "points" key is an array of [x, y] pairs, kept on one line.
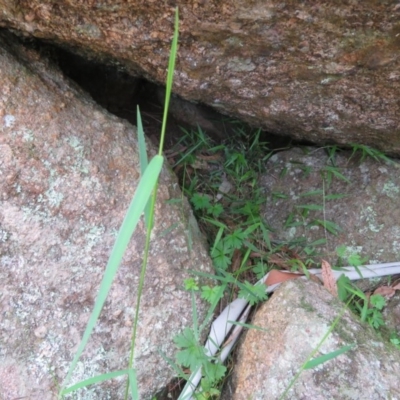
{"points": [[319, 71], [68, 170], [391, 314], [294, 322], [368, 215]]}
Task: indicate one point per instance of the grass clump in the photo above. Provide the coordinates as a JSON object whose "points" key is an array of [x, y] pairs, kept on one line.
{"points": [[221, 182]]}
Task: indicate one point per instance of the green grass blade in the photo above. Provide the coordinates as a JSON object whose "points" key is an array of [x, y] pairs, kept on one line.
{"points": [[195, 318], [330, 226], [94, 380], [171, 68], [310, 207], [217, 239], [331, 328], [133, 384], [318, 192], [327, 357], [170, 76], [139, 201], [266, 237], [142, 158], [142, 143], [336, 173]]}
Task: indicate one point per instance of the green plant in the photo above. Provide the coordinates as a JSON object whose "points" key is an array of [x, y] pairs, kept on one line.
{"points": [[192, 354], [313, 361], [368, 308], [367, 151], [147, 188], [395, 339], [223, 190], [221, 182]]}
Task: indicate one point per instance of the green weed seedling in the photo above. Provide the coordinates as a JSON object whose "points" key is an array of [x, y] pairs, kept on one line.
{"points": [[369, 309], [192, 354], [395, 339], [366, 151]]}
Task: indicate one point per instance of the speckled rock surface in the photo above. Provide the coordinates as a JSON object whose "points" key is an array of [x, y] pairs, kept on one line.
{"points": [[295, 321], [317, 70], [68, 170], [368, 215]]}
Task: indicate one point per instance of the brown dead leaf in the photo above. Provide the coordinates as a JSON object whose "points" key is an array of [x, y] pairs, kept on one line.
{"points": [[279, 261], [315, 279], [328, 278], [385, 291], [397, 286], [276, 276], [212, 157], [236, 260]]}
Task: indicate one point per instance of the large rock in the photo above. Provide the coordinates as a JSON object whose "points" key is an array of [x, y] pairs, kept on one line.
{"points": [[306, 192], [293, 324], [321, 72], [68, 170]]}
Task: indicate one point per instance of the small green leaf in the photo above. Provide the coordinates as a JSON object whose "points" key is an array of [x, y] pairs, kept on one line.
{"points": [[355, 260], [327, 357], [335, 172], [211, 294], [192, 354], [215, 210], [253, 294], [213, 371], [335, 196], [318, 242], [318, 192], [311, 207], [331, 227], [260, 269], [277, 195], [375, 318], [236, 238], [341, 251], [190, 284], [377, 301], [95, 379], [289, 220], [200, 201], [221, 255]]}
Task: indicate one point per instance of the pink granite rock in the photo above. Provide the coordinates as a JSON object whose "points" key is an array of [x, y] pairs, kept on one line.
{"points": [[68, 170]]}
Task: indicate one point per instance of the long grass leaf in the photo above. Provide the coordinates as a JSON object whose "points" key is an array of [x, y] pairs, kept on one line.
{"points": [[170, 76], [195, 318], [142, 143], [143, 160], [133, 384], [327, 357], [94, 380], [329, 331], [310, 207], [171, 68], [138, 203], [312, 193]]}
